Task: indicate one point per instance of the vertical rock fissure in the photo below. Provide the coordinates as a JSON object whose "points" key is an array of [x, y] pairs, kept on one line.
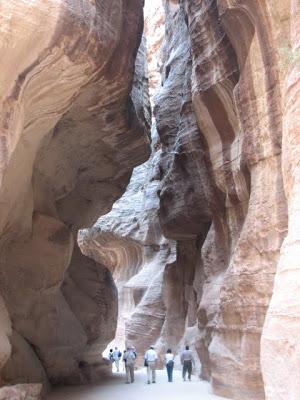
{"points": [[190, 251], [72, 129], [211, 193]]}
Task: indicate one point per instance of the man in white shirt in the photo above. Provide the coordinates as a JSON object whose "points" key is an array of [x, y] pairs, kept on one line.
{"points": [[116, 357], [150, 362]]}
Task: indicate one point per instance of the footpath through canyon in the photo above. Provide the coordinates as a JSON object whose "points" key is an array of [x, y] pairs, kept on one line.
{"points": [[150, 194], [114, 388]]}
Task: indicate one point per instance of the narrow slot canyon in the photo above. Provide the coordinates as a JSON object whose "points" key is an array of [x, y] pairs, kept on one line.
{"points": [[148, 196]]}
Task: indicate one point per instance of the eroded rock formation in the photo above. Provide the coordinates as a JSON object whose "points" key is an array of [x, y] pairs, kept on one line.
{"points": [[128, 241], [224, 174], [154, 290], [154, 31], [74, 121], [280, 344], [206, 225], [228, 101]]}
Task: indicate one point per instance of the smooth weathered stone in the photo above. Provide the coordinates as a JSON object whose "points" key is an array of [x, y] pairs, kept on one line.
{"points": [[74, 122]]}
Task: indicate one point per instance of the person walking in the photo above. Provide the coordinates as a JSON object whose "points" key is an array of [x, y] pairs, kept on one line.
{"points": [[111, 356], [129, 358], [187, 361], [150, 363], [169, 360], [124, 361], [116, 357]]}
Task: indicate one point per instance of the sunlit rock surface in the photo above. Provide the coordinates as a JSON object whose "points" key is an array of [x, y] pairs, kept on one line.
{"points": [[203, 246], [219, 118], [74, 121], [280, 352], [227, 102], [154, 31]]}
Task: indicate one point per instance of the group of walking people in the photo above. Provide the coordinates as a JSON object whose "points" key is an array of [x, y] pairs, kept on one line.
{"points": [[150, 361]]}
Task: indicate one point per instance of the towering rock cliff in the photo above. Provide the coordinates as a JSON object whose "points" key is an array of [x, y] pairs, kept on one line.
{"points": [[74, 121], [280, 344], [203, 245], [227, 103], [129, 242], [219, 117]]}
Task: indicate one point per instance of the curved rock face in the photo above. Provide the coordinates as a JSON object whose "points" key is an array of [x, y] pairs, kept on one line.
{"points": [[219, 117], [280, 345], [128, 241], [205, 225], [223, 177], [155, 290], [74, 121]]}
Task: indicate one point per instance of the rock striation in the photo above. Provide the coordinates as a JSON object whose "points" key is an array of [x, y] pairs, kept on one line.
{"points": [[279, 345], [74, 121], [227, 123], [154, 31], [202, 248], [154, 275], [129, 242], [219, 116]]}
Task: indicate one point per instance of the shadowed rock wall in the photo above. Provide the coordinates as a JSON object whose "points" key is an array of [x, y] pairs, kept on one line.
{"points": [[226, 116], [129, 242], [219, 117], [74, 121], [205, 226]]}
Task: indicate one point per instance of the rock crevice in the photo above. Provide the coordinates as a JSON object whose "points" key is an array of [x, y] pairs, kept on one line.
{"points": [[73, 93], [224, 204], [202, 247]]}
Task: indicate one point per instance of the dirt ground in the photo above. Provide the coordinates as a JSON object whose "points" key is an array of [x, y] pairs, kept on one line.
{"points": [[115, 388]]}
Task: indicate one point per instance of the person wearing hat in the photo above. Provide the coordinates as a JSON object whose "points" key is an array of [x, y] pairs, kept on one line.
{"points": [[150, 363]]}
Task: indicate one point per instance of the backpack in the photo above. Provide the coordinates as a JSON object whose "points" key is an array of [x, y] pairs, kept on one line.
{"points": [[130, 358]]}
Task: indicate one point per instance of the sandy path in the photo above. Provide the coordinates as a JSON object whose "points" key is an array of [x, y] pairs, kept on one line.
{"points": [[115, 388]]}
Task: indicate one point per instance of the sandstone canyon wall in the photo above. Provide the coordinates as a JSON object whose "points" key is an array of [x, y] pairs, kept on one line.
{"points": [[74, 121], [280, 340], [203, 245], [222, 187], [154, 275], [223, 165], [129, 242], [225, 170]]}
